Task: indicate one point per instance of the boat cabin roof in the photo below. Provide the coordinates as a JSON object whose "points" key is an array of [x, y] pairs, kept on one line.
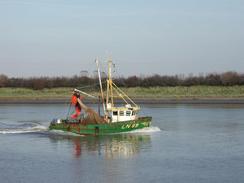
{"points": [[125, 108]]}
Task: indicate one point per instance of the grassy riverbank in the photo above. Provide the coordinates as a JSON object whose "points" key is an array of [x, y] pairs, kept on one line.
{"points": [[137, 92], [188, 92]]}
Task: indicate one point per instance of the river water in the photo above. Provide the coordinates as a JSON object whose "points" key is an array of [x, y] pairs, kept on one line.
{"points": [[186, 143]]}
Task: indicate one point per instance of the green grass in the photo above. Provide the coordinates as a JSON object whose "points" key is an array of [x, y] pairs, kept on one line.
{"points": [[136, 92], [187, 92], [24, 92]]}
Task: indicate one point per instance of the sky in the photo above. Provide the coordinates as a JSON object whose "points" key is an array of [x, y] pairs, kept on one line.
{"points": [[143, 37]]}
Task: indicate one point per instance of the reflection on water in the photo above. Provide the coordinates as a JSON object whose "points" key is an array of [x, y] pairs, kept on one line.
{"points": [[110, 146], [198, 143]]}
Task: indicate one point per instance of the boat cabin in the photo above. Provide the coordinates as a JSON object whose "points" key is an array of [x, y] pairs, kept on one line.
{"points": [[126, 113]]}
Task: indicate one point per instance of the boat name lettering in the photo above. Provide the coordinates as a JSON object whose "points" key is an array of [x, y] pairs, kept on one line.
{"points": [[134, 125]]}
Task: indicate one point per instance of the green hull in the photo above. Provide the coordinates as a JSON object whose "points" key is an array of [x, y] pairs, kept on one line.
{"points": [[101, 129]]}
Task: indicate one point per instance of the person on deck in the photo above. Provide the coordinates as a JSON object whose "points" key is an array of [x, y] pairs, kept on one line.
{"points": [[75, 103]]}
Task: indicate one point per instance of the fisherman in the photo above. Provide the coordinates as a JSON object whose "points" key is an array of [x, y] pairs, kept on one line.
{"points": [[74, 102]]}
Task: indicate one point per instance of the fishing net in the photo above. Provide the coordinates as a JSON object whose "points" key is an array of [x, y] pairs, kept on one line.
{"points": [[92, 117]]}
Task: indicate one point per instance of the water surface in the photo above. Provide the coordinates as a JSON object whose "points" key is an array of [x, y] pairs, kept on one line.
{"points": [[195, 143]]}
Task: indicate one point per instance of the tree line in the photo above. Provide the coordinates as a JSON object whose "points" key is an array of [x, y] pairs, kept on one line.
{"points": [[213, 79]]}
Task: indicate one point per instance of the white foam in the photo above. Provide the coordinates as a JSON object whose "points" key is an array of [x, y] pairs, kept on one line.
{"points": [[150, 129], [36, 128]]}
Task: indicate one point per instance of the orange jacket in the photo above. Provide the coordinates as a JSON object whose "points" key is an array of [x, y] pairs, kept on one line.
{"points": [[74, 99]]}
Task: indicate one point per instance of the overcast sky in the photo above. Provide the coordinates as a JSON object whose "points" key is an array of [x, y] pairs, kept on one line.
{"points": [[62, 37]]}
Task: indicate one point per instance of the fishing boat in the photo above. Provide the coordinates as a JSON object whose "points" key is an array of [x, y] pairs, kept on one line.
{"points": [[116, 118]]}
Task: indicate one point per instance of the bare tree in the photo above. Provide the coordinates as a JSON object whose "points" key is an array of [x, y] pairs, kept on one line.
{"points": [[230, 78], [3, 80]]}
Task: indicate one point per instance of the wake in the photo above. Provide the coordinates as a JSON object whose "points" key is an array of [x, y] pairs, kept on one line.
{"points": [[31, 129], [151, 129]]}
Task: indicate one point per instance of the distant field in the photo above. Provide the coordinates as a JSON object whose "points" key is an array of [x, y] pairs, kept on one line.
{"points": [[187, 92], [137, 92]]}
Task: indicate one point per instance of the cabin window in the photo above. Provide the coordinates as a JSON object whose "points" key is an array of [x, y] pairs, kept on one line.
{"points": [[128, 113], [133, 113], [115, 113], [121, 113]]}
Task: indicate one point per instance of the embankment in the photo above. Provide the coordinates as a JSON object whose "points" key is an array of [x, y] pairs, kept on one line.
{"points": [[154, 95]]}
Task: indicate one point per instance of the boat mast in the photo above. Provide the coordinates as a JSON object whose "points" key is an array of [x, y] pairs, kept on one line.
{"points": [[110, 84], [101, 87]]}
